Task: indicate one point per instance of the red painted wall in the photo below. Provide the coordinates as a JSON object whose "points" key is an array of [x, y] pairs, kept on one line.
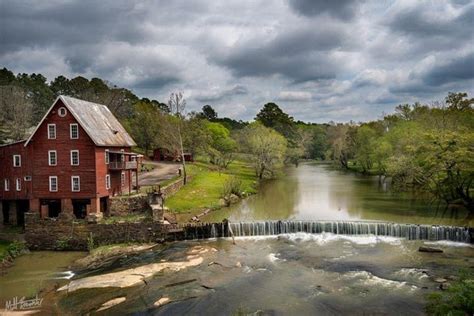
{"points": [[103, 169], [7, 171], [63, 144]]}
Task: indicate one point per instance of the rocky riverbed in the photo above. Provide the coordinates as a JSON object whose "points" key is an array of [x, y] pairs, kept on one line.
{"points": [[288, 274]]}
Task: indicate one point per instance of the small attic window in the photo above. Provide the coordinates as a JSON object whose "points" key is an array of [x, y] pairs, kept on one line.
{"points": [[62, 112]]}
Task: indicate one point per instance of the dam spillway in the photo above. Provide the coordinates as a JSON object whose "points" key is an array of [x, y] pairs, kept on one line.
{"points": [[273, 228]]}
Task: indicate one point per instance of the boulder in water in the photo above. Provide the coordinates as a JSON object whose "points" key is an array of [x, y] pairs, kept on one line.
{"points": [[111, 303], [440, 280], [233, 198], [429, 249], [444, 286], [162, 301]]}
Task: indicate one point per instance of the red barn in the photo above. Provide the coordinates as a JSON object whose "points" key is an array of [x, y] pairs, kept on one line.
{"points": [[78, 156]]}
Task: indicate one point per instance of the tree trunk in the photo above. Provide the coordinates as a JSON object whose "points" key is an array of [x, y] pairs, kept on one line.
{"points": [[183, 161]]}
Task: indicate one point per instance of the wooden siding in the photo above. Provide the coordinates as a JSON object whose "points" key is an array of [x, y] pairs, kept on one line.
{"points": [[103, 169], [8, 171], [63, 145]]}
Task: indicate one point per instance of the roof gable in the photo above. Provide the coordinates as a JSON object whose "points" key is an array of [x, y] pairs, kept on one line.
{"points": [[97, 121]]}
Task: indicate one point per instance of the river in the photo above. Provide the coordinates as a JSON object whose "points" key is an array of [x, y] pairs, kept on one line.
{"points": [[317, 191], [288, 274]]}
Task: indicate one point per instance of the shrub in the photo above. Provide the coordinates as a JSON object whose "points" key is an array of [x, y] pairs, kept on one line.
{"points": [[90, 242], [458, 299], [232, 185], [63, 243]]}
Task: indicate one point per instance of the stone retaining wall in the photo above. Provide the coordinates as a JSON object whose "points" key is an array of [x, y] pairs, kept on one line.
{"points": [[174, 187], [54, 234], [124, 205]]}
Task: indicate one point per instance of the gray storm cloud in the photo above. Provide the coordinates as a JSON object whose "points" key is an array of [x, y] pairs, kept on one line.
{"points": [[320, 60]]}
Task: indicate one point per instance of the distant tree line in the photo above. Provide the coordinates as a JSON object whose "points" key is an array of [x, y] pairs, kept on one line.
{"points": [[421, 148]]}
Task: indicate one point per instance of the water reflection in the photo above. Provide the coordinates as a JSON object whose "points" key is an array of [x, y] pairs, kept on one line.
{"points": [[321, 192]]}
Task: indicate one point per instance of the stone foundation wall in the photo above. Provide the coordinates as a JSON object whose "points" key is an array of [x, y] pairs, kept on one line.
{"points": [[120, 206], [124, 205], [54, 234]]}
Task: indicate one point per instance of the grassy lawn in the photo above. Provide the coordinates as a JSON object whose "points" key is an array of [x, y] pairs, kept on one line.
{"points": [[205, 189]]}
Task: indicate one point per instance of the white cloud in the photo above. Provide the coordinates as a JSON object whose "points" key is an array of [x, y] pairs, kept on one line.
{"points": [[294, 96]]}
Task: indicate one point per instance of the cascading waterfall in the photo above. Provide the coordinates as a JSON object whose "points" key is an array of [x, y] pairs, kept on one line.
{"points": [[269, 228]]}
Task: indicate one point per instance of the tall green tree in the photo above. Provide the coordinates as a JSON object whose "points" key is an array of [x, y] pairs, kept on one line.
{"points": [[364, 147], [209, 113], [266, 147], [221, 147], [271, 115], [145, 126]]}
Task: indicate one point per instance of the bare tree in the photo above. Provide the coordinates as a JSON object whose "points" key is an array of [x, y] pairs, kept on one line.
{"points": [[177, 106], [177, 103], [16, 113]]}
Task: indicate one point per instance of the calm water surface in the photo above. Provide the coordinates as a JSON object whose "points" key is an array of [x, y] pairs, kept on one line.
{"points": [[316, 191], [34, 272]]}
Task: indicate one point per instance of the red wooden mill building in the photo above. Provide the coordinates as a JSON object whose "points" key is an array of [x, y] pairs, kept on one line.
{"points": [[77, 157]]}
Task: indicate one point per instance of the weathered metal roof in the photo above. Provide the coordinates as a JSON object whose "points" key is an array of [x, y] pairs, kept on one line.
{"points": [[98, 122]]}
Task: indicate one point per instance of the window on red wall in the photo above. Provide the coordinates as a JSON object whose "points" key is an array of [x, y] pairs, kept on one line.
{"points": [[74, 157], [53, 183], [75, 184], [74, 131], [16, 160], [51, 131], [52, 157]]}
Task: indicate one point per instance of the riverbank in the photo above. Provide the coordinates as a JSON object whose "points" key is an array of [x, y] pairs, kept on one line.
{"points": [[206, 190], [11, 247]]}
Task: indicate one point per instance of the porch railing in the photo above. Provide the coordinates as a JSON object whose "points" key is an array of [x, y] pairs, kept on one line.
{"points": [[122, 165]]}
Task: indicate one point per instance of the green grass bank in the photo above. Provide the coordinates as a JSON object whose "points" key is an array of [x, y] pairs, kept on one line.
{"points": [[207, 186]]}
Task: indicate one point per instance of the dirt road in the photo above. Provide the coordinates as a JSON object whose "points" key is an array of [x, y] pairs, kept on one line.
{"points": [[162, 171]]}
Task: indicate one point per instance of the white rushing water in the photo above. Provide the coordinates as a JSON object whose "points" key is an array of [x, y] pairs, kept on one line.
{"points": [[371, 230]]}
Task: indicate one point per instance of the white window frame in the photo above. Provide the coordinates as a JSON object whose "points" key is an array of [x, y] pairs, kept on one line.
{"points": [[62, 109], [55, 133], [14, 161], [107, 157], [55, 158], [77, 130], [122, 156], [50, 183], [107, 181], [122, 178], [18, 184], [78, 183], [6, 184], [72, 160]]}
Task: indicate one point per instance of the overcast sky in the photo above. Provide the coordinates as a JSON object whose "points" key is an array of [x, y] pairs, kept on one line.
{"points": [[319, 60]]}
